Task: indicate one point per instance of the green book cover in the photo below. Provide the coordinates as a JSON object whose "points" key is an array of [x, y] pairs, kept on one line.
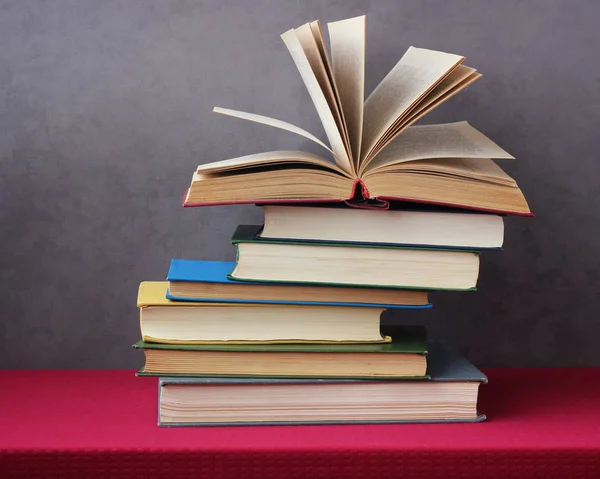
{"points": [[251, 234], [407, 340]]}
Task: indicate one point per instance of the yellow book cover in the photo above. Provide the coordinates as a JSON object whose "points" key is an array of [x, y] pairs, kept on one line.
{"points": [[152, 295]]}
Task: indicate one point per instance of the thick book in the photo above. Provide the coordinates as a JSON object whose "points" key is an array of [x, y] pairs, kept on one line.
{"points": [[374, 151], [405, 356], [176, 322], [207, 281], [450, 395], [404, 227], [383, 266]]}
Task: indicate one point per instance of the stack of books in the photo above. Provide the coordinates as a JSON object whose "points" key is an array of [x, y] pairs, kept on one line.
{"points": [[290, 333]]}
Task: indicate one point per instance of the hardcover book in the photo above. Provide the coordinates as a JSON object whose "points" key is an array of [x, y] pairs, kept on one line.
{"points": [[207, 281], [176, 322], [403, 227], [450, 395], [405, 356], [383, 266], [375, 151]]}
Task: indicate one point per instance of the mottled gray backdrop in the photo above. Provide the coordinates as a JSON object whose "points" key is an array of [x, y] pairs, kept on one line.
{"points": [[105, 111]]}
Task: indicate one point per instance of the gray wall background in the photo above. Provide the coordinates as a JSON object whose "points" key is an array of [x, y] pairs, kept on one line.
{"points": [[105, 111]]}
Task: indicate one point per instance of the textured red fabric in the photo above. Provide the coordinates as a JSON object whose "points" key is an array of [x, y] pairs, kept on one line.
{"points": [[103, 424]]}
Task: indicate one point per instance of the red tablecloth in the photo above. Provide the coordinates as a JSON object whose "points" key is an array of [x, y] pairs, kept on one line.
{"points": [[103, 424]]}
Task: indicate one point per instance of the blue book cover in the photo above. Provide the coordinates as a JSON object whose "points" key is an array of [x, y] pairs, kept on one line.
{"points": [[182, 270], [200, 271]]}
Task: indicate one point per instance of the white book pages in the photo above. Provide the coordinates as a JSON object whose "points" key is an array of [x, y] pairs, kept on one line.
{"points": [[309, 37], [265, 120], [446, 96], [417, 72], [475, 169], [347, 39], [327, 119], [428, 102], [269, 158], [450, 140], [457, 76], [416, 116], [320, 41]]}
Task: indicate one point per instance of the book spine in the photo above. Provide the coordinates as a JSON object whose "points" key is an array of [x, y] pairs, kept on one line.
{"points": [[359, 198], [359, 192]]}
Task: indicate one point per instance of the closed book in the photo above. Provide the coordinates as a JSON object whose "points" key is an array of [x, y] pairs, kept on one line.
{"points": [[405, 356], [177, 322], [408, 226], [207, 281], [450, 395], [383, 266]]}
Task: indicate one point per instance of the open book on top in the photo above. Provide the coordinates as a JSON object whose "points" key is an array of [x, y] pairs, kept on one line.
{"points": [[376, 152]]}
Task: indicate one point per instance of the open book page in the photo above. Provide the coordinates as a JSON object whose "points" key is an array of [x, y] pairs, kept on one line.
{"points": [[455, 78], [270, 158], [450, 140], [315, 28], [418, 114], [265, 120], [309, 39], [446, 96], [479, 169], [318, 97], [417, 72], [347, 39]]}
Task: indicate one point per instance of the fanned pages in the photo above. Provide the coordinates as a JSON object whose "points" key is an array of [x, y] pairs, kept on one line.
{"points": [[260, 160], [417, 72], [298, 54], [423, 110], [458, 79], [347, 38], [451, 140], [377, 153], [265, 120], [324, 67]]}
